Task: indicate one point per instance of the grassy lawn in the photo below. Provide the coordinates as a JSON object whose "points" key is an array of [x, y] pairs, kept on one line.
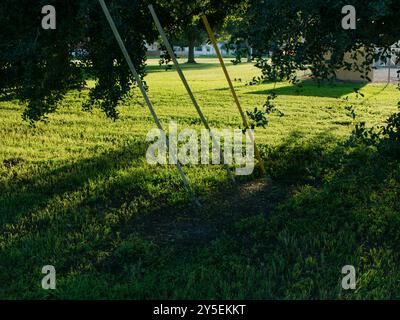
{"points": [[77, 193]]}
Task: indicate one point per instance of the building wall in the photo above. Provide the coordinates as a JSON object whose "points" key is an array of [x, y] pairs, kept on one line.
{"points": [[203, 50], [351, 75], [382, 71], [152, 49], [393, 62]]}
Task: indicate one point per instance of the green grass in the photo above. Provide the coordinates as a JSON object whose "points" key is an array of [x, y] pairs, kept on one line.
{"points": [[77, 193]]}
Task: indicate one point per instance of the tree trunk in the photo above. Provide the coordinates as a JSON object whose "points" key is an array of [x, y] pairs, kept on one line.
{"points": [[191, 50], [249, 51]]}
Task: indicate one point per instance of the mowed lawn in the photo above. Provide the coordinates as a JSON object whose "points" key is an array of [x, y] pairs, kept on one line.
{"points": [[77, 193]]}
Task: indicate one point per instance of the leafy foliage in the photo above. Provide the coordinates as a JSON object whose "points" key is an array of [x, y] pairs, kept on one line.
{"points": [[38, 66], [259, 117], [390, 132], [237, 27], [297, 35]]}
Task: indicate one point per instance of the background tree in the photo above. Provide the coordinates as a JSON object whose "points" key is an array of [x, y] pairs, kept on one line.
{"points": [[237, 26], [188, 29], [191, 36]]}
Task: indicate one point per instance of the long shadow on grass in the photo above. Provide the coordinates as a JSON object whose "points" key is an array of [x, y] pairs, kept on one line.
{"points": [[309, 88], [117, 236], [68, 215], [22, 195], [341, 210], [184, 66]]}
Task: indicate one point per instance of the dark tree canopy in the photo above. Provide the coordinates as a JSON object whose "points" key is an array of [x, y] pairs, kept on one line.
{"points": [[38, 67], [301, 33], [38, 64], [237, 26]]}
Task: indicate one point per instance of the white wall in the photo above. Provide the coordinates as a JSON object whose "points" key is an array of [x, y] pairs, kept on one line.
{"points": [[393, 60], [203, 50]]}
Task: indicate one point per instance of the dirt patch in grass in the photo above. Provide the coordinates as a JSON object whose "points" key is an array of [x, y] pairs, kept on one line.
{"points": [[186, 226]]}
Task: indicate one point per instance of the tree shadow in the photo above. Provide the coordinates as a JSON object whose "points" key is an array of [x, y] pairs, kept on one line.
{"points": [[184, 66], [32, 191], [277, 226], [85, 233], [312, 89]]}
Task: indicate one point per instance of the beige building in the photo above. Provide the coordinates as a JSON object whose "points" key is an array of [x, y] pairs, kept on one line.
{"points": [[381, 71], [351, 75]]}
